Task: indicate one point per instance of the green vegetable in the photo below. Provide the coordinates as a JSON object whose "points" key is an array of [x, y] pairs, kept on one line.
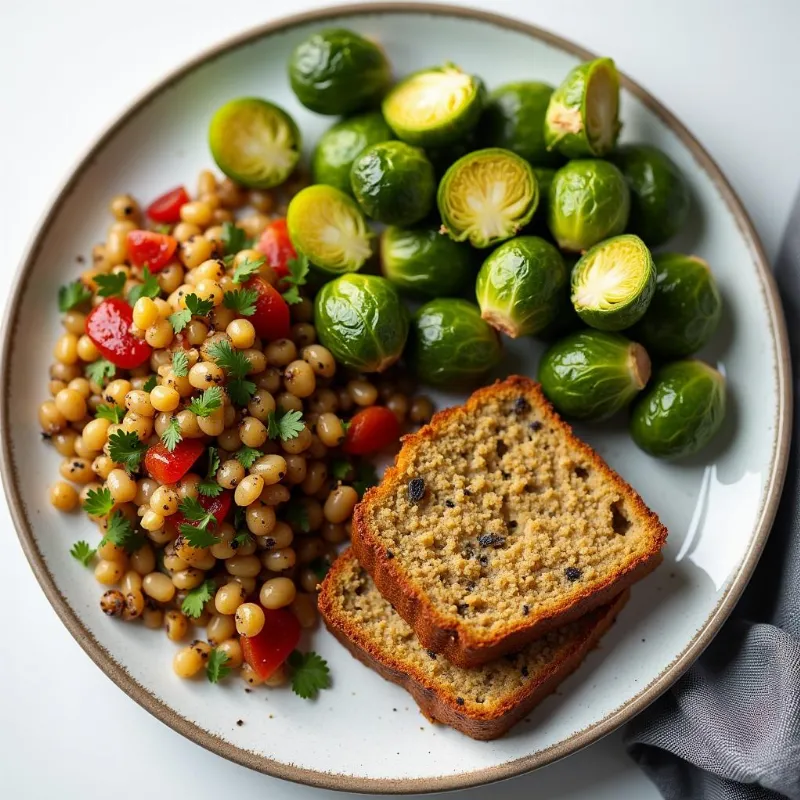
{"points": [[194, 307], [235, 239], [681, 411], [215, 666], [329, 228], [73, 294], [120, 532], [100, 371], [150, 384], [242, 301], [149, 287], [613, 283], [297, 276], [113, 414], [487, 196], [99, 502], [180, 364], [434, 107], [394, 183], [337, 72], [423, 262], [254, 142], [362, 321], [196, 599], [659, 194], [450, 345], [247, 269], [341, 144], [685, 309], [247, 456], [514, 119], [310, 674], [200, 534], [284, 425], [172, 434], [82, 551], [593, 374], [208, 402], [111, 284], [209, 486], [126, 448], [520, 285], [583, 114]]}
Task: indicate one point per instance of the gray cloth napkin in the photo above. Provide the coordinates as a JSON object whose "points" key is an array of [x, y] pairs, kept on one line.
{"points": [[729, 729]]}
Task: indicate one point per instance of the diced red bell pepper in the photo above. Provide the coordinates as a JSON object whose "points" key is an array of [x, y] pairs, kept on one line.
{"points": [[169, 467], [277, 247], [219, 506], [371, 430], [109, 327], [150, 249], [271, 318], [167, 207], [267, 650]]}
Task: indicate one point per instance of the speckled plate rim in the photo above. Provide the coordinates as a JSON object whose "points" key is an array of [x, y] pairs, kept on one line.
{"points": [[518, 766]]}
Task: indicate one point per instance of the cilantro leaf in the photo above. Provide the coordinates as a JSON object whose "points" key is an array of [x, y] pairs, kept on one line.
{"points": [[247, 269], [341, 469], [240, 391], [113, 414], [198, 307], [180, 364], [215, 666], [242, 301], [209, 487], [320, 567], [163, 228], [111, 284], [100, 371], [310, 673], [296, 514], [81, 551], [147, 288], [172, 434], [207, 403], [197, 537], [366, 476], [120, 532], [150, 383], [234, 238], [234, 362], [247, 456], [99, 502], [73, 294], [180, 319], [196, 598], [284, 425], [191, 509], [126, 448], [241, 539], [298, 273]]}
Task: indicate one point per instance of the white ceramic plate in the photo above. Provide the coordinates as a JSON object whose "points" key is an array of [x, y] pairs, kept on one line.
{"points": [[365, 734]]}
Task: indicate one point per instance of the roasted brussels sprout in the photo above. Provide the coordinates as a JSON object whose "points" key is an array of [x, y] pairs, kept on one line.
{"points": [[659, 195], [434, 107], [255, 143], [582, 117], [362, 321], [450, 345], [423, 262], [681, 411], [394, 183], [328, 227], [514, 119], [336, 71], [685, 309], [613, 283], [588, 202], [487, 196], [342, 143], [520, 284], [593, 374]]}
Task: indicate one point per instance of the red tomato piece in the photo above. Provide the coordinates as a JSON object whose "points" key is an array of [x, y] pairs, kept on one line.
{"points": [[371, 430], [150, 249], [267, 650], [271, 319], [277, 247], [168, 467], [109, 327], [167, 207], [219, 506]]}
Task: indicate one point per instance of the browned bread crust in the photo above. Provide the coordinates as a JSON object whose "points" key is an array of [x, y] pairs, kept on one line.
{"points": [[453, 638]]}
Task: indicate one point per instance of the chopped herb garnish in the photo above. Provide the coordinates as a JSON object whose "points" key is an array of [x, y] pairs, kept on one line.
{"points": [[99, 502], [320, 567], [233, 361], [247, 456], [242, 301], [113, 414], [366, 476], [147, 288], [310, 673], [298, 272], [163, 228], [215, 667], [247, 269], [209, 487], [242, 539], [81, 551], [240, 391], [150, 383], [341, 469], [284, 425], [100, 371], [180, 364], [120, 532], [208, 402], [172, 434], [234, 238], [296, 514], [196, 598], [111, 284], [73, 294], [126, 448], [194, 307], [199, 534]]}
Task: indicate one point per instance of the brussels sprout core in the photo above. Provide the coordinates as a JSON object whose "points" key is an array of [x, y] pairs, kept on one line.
{"points": [[602, 108]]}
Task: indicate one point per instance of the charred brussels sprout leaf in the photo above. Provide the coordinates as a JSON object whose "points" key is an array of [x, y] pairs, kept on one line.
{"points": [[588, 202], [450, 345], [520, 285], [582, 117], [487, 196], [362, 321], [336, 71], [255, 143], [681, 411], [593, 374]]}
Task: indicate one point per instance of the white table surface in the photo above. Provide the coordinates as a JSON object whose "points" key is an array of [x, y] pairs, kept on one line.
{"points": [[729, 70]]}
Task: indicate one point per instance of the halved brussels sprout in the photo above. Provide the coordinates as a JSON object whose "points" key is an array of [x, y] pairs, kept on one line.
{"points": [[659, 195], [487, 196], [583, 114], [434, 107], [519, 286], [421, 261], [342, 143], [450, 345], [254, 142], [588, 201], [336, 71], [593, 374], [362, 321], [514, 119], [328, 227], [394, 183], [681, 411], [685, 309], [613, 283]]}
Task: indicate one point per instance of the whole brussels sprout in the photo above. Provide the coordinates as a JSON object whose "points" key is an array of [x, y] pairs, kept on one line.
{"points": [[254, 142], [613, 283], [588, 201], [420, 261], [659, 195], [520, 285], [685, 309], [337, 72], [394, 183], [435, 106], [487, 196], [583, 114], [450, 345], [681, 411], [342, 143], [445, 156], [591, 375], [362, 321]]}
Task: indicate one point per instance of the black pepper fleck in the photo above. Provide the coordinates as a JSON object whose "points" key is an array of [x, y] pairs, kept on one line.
{"points": [[46, 436], [240, 722], [461, 608], [536, 425], [512, 523], [449, 503], [491, 540], [460, 701], [431, 654], [572, 573], [416, 489], [484, 560], [526, 610], [389, 554], [467, 493]]}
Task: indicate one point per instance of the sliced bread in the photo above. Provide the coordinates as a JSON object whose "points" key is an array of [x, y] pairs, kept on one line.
{"points": [[482, 703], [496, 525]]}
